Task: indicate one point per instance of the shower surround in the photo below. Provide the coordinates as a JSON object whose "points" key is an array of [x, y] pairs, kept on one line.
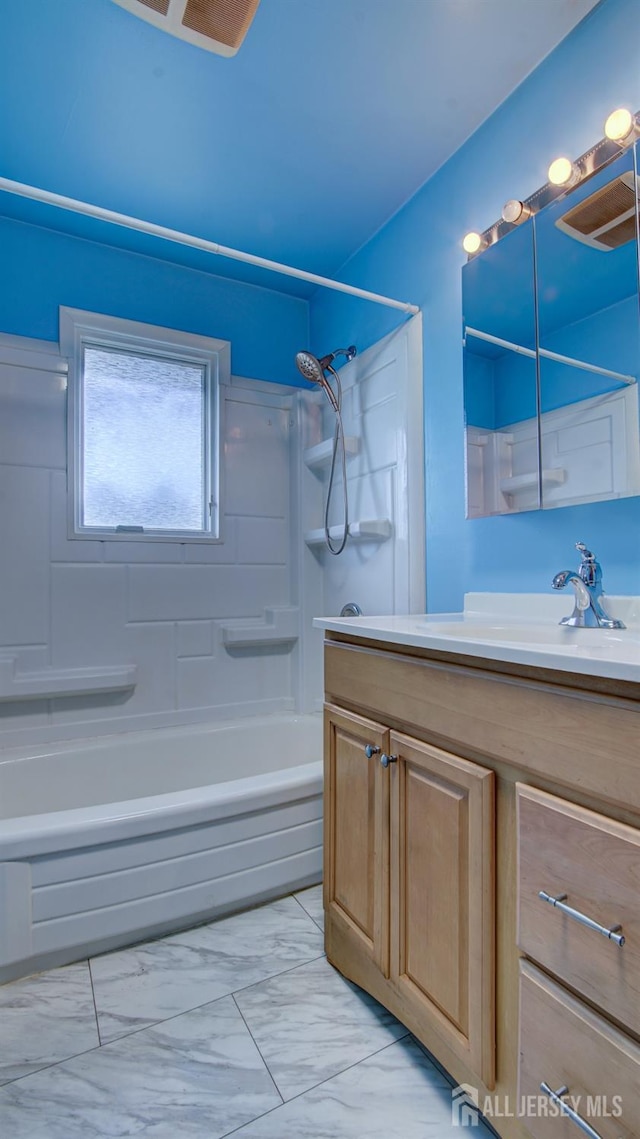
{"points": [[206, 755]]}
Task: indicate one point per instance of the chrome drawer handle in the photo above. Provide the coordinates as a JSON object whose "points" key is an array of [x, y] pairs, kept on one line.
{"points": [[370, 750], [613, 934], [569, 1111], [385, 759]]}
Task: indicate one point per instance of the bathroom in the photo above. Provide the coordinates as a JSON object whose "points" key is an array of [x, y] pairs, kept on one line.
{"points": [[183, 679]]}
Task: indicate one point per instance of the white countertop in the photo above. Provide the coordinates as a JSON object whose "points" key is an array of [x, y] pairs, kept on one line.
{"points": [[521, 628]]}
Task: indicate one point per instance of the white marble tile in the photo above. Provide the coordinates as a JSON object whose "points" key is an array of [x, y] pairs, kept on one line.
{"points": [[45, 1019], [198, 1076], [395, 1094], [311, 1023], [311, 901], [138, 986]]}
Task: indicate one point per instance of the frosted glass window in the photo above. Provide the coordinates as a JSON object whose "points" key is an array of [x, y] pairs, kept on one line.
{"points": [[144, 442]]}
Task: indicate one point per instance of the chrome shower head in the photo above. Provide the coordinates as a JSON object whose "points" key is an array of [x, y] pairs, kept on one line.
{"points": [[310, 367], [313, 369]]}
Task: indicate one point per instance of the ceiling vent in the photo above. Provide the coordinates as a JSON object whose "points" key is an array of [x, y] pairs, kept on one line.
{"points": [[216, 25], [607, 219]]}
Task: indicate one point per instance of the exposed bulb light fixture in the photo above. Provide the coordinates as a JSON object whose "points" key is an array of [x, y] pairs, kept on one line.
{"points": [[622, 126], [563, 172], [473, 242], [515, 212], [621, 130]]}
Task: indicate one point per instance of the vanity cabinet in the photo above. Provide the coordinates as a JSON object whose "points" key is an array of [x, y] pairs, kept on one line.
{"points": [[356, 842], [586, 927], [457, 789], [409, 876], [564, 1044]]}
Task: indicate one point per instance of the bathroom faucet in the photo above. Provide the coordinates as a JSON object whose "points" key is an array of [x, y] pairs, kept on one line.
{"points": [[588, 612]]}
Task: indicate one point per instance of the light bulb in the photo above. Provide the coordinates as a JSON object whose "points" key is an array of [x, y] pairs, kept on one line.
{"points": [[515, 212], [621, 126], [563, 172], [473, 242]]}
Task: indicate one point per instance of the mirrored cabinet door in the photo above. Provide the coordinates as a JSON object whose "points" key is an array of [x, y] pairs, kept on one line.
{"points": [[500, 378], [589, 339]]}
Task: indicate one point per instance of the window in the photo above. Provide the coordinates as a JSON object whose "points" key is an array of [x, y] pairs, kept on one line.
{"points": [[143, 429]]}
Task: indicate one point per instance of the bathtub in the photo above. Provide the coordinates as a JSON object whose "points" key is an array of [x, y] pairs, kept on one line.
{"points": [[107, 841]]}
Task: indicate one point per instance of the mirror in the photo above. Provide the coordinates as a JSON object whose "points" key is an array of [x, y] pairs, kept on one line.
{"points": [[500, 378], [588, 340], [551, 405]]}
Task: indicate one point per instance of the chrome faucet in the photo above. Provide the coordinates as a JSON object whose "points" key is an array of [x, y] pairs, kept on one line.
{"points": [[588, 612]]}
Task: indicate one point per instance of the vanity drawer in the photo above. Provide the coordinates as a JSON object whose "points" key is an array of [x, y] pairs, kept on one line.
{"points": [[594, 862], [566, 1045]]}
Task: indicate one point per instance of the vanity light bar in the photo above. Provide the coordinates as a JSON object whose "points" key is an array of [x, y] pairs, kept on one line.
{"points": [[621, 129]]}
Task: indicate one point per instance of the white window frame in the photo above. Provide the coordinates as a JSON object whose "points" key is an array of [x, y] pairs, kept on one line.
{"points": [[79, 329]]}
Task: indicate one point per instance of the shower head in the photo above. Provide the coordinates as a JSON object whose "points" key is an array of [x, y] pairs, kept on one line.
{"points": [[310, 367], [313, 369]]}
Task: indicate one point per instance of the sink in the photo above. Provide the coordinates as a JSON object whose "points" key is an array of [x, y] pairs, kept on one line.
{"points": [[556, 636], [513, 627]]}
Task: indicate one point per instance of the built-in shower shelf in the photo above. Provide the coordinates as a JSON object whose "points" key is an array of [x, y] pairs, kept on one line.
{"points": [[319, 456], [368, 530], [518, 484], [279, 626], [49, 683]]}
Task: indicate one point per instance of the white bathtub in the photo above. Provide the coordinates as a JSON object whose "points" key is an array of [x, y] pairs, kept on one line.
{"points": [[106, 841]]}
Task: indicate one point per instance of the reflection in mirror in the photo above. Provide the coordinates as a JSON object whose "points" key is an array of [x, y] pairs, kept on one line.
{"points": [[589, 339], [500, 383]]}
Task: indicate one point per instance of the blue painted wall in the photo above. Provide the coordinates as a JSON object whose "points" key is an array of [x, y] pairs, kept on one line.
{"points": [[418, 257], [42, 269]]}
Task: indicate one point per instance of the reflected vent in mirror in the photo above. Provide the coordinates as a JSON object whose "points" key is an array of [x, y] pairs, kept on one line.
{"points": [[161, 6], [216, 25], [607, 219]]}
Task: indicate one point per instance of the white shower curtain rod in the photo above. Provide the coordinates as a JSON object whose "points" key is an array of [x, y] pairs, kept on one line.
{"points": [[622, 377], [179, 238]]}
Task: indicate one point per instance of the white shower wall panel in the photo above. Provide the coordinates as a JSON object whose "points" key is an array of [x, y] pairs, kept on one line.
{"points": [[191, 592], [24, 566], [70, 603], [32, 424], [383, 410]]}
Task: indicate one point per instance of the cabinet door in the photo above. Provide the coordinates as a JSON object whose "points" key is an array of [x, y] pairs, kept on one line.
{"points": [[442, 890], [356, 842]]}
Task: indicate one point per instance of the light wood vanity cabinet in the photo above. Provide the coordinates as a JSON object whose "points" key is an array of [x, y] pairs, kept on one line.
{"points": [[356, 843], [457, 789], [414, 900], [592, 863]]}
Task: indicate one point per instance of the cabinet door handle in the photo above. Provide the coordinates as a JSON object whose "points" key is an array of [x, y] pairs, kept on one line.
{"points": [[385, 759], [566, 1109], [370, 750], [613, 933]]}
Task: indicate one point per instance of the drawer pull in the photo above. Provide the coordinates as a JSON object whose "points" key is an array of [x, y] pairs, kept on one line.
{"points": [[555, 1097], [613, 934], [370, 750], [385, 759]]}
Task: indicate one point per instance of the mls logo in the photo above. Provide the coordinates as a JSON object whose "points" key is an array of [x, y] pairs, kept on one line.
{"points": [[464, 1106]]}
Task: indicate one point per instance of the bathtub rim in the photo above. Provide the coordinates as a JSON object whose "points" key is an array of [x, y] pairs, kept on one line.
{"points": [[29, 836]]}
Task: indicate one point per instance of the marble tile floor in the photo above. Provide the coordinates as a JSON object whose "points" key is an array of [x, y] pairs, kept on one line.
{"points": [[239, 1027]]}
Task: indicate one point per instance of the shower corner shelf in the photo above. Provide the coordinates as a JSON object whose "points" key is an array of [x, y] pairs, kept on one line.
{"points": [[49, 683], [518, 484], [319, 456], [367, 530], [279, 626]]}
